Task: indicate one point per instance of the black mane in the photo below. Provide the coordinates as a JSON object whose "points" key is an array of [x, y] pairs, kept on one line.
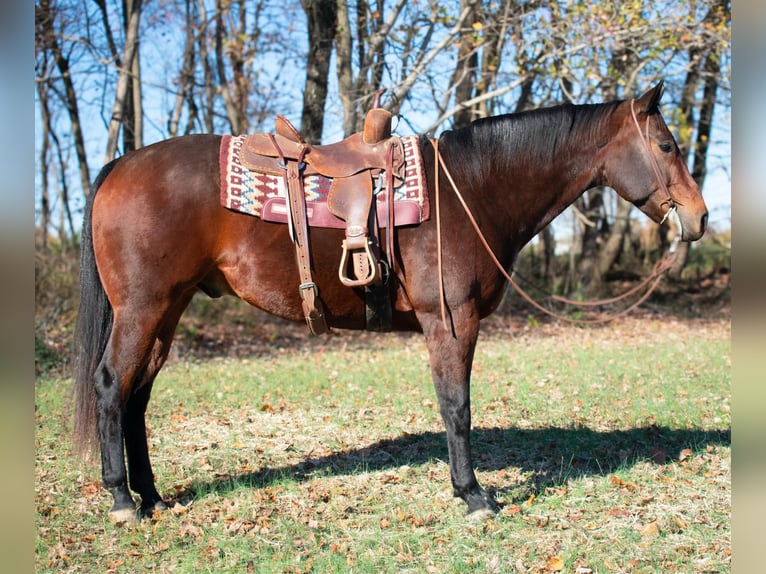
{"points": [[534, 137]]}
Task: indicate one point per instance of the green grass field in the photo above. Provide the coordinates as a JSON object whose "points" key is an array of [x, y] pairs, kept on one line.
{"points": [[608, 450]]}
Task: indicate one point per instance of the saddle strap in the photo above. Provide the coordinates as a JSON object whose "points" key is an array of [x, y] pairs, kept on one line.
{"points": [[390, 205], [313, 309]]}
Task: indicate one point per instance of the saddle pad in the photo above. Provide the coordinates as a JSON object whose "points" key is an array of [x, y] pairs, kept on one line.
{"points": [[265, 195]]}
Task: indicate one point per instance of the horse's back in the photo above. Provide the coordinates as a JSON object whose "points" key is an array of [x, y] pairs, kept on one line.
{"points": [[162, 176]]}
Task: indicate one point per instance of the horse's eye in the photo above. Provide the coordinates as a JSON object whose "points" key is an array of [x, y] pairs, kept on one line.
{"points": [[666, 147]]}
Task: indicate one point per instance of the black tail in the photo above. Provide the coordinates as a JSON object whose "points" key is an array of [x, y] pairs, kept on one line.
{"points": [[94, 325]]}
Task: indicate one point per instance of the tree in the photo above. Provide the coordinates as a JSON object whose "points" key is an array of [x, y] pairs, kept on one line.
{"points": [[463, 80], [123, 110], [322, 18], [184, 97]]}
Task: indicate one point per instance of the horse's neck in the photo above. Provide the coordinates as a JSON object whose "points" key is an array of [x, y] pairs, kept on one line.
{"points": [[569, 180], [527, 188]]}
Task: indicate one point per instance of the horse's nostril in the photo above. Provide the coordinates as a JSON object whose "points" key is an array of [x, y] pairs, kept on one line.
{"points": [[703, 222]]}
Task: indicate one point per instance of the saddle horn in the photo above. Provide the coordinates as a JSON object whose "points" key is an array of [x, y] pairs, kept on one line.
{"points": [[377, 123]]}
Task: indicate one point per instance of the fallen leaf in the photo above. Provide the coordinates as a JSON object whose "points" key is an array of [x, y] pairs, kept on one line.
{"points": [[617, 481], [555, 564], [651, 529], [511, 510], [619, 512], [680, 523]]}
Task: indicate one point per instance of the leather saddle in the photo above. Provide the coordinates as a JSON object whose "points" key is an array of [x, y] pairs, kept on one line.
{"points": [[355, 165]]}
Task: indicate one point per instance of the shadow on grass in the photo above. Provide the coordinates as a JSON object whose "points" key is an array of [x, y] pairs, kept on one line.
{"points": [[548, 456]]}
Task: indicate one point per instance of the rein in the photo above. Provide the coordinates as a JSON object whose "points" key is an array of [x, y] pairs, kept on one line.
{"points": [[652, 280]]}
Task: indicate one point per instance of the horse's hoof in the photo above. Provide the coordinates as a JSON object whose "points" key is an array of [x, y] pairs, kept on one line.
{"points": [[481, 514], [123, 516]]}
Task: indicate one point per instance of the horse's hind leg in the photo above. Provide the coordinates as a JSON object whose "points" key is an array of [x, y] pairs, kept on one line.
{"points": [[140, 472], [114, 379], [120, 399]]}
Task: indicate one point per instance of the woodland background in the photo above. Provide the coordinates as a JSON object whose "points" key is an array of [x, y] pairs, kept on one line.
{"points": [[113, 76]]}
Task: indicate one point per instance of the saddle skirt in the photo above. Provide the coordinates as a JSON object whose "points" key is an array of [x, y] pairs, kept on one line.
{"points": [[263, 194]]}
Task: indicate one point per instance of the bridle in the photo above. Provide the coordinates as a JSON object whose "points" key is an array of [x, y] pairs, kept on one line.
{"points": [[653, 280], [670, 201]]}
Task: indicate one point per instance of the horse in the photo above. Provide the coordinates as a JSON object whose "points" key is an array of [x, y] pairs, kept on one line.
{"points": [[155, 233]]}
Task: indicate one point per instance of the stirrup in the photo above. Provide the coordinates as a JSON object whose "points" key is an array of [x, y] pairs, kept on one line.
{"points": [[368, 266]]}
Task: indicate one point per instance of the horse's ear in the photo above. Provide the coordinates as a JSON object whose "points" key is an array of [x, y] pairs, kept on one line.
{"points": [[650, 101]]}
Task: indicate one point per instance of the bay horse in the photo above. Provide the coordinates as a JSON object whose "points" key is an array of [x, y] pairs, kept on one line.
{"points": [[155, 233]]}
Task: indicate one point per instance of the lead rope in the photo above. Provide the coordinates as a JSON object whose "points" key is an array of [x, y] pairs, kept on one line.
{"points": [[659, 270]]}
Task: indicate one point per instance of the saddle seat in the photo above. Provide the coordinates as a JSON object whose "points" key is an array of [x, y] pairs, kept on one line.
{"points": [[362, 151]]}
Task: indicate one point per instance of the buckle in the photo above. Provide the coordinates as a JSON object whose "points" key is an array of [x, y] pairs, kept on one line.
{"points": [[306, 286]]}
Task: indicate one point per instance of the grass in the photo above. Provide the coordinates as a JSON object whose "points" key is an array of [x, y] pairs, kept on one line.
{"points": [[608, 450]]}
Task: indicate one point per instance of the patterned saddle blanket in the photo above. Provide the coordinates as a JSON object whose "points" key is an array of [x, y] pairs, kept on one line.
{"points": [[264, 195]]}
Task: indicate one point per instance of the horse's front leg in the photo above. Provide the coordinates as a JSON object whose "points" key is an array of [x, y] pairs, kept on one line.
{"points": [[451, 357]]}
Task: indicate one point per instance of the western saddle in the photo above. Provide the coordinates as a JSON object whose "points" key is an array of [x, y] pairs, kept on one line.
{"points": [[354, 165]]}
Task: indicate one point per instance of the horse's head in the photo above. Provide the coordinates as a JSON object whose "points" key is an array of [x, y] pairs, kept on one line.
{"points": [[644, 165]]}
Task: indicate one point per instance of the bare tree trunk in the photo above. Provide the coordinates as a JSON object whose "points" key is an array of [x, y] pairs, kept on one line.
{"points": [[322, 19], [186, 76], [343, 52], [232, 98], [129, 52], [208, 113], [240, 80], [496, 32], [591, 210], [548, 248], [613, 246], [378, 46], [45, 207], [464, 76], [129, 110], [138, 106]]}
